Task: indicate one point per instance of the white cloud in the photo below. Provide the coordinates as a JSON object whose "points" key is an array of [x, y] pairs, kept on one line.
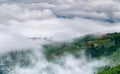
{"points": [[12, 42], [64, 65]]}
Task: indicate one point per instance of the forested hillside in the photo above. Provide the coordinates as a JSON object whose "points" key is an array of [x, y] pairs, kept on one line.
{"points": [[107, 45], [94, 46]]}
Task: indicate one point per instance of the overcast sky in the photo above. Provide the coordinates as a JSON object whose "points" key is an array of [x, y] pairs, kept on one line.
{"points": [[59, 19]]}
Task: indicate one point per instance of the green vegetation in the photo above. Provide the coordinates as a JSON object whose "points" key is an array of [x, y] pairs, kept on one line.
{"points": [[107, 45], [104, 47], [94, 46], [113, 70], [57, 49]]}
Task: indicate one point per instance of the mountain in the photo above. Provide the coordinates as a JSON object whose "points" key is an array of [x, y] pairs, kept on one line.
{"points": [[94, 46]]}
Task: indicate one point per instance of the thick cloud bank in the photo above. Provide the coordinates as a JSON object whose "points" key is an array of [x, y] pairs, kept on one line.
{"points": [[57, 19]]}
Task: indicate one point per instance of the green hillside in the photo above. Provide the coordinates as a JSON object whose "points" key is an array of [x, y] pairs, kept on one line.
{"points": [[107, 45], [94, 46], [111, 70]]}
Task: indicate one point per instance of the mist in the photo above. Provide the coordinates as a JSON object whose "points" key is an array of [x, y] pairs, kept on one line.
{"points": [[30, 24], [65, 64]]}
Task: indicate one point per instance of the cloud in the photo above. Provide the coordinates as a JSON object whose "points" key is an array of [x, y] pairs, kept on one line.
{"points": [[88, 9], [12, 42], [16, 12], [61, 19], [67, 65], [25, 1]]}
